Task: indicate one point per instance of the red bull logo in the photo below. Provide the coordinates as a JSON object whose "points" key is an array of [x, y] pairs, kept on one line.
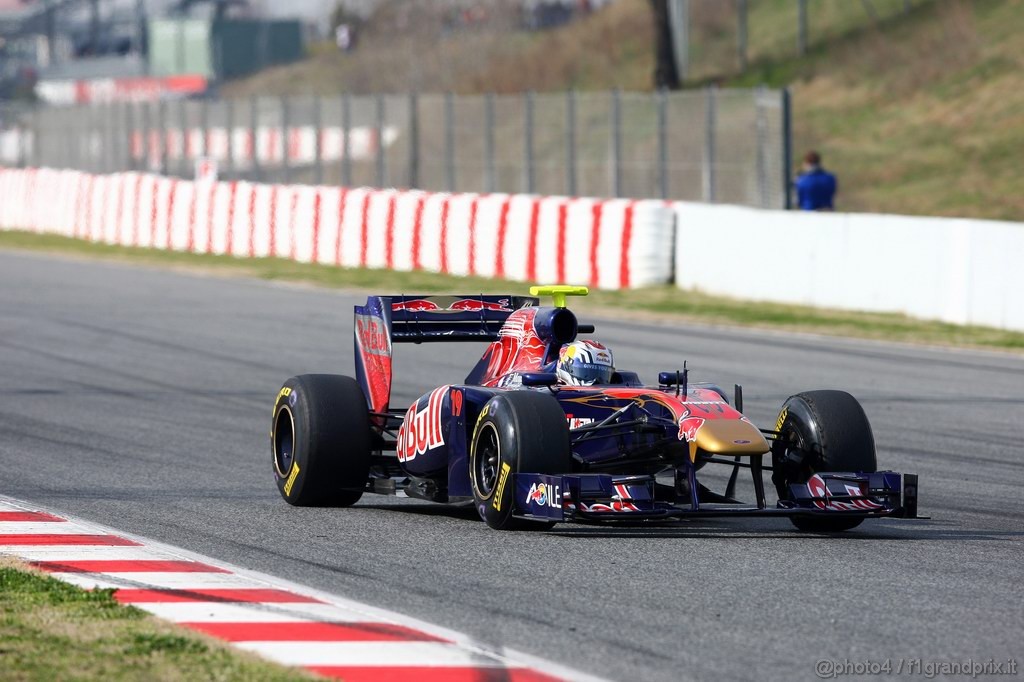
{"points": [[544, 495], [476, 305], [416, 305], [577, 422], [858, 491], [688, 428], [421, 430], [816, 487], [373, 338]]}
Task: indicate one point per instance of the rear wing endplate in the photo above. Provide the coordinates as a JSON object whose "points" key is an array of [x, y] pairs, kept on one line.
{"points": [[422, 319]]}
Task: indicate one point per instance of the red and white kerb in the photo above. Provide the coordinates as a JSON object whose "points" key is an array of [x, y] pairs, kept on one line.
{"points": [[277, 619]]}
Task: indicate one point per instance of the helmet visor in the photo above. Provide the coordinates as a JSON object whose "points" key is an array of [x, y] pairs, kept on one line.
{"points": [[588, 373]]}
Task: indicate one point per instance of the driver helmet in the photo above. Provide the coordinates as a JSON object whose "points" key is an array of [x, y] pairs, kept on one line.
{"points": [[584, 363]]}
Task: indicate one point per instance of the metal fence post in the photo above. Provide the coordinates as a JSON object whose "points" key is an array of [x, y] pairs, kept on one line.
{"points": [[570, 142], [147, 136], [125, 137], [77, 127], [528, 141], [346, 142], [75, 138], [204, 123], [761, 127], [449, 142], [105, 131], [787, 149], [710, 124], [39, 149], [33, 132], [110, 128], [162, 128], [130, 132], [184, 139], [382, 171], [104, 128], [254, 135], [121, 132], [318, 151], [117, 128], [95, 141], [229, 125], [90, 141], [490, 181], [661, 102], [286, 173], [414, 140], [22, 137], [616, 142], [89, 153], [119, 135], [92, 161]]}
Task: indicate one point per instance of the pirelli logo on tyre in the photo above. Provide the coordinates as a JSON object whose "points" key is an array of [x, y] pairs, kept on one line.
{"points": [[500, 488], [290, 483], [782, 418], [285, 392]]}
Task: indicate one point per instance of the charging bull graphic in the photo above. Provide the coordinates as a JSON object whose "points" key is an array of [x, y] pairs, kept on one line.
{"points": [[688, 428], [475, 304]]}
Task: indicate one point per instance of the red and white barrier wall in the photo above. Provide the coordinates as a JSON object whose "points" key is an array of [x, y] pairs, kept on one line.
{"points": [[609, 244]]}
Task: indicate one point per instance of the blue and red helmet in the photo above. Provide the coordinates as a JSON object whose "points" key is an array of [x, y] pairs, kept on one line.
{"points": [[585, 363]]}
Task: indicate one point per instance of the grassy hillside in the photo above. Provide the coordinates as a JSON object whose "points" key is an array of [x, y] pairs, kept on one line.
{"points": [[611, 48], [918, 112], [922, 115]]}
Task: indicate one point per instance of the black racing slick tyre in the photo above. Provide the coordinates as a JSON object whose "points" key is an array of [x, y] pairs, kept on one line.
{"points": [[320, 441], [821, 431], [517, 431]]}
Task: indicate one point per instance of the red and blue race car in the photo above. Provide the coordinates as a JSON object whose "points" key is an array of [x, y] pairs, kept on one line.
{"points": [[531, 447]]}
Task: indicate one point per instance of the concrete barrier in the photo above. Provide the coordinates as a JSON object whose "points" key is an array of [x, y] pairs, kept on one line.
{"points": [[955, 270]]}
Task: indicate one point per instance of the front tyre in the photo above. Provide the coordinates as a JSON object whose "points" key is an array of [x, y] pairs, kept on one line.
{"points": [[517, 431], [821, 431], [320, 441]]}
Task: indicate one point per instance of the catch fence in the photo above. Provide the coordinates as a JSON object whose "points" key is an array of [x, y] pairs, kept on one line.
{"points": [[712, 145]]}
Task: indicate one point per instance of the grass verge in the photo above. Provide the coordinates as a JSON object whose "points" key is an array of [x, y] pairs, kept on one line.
{"points": [[665, 302], [50, 630]]}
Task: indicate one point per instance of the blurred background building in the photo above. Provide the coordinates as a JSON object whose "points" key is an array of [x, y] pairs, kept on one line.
{"points": [[80, 51]]}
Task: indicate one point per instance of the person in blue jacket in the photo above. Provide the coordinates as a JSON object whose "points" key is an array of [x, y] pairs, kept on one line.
{"points": [[815, 186]]}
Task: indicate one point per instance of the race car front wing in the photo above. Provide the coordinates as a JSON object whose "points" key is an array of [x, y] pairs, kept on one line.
{"points": [[604, 497]]}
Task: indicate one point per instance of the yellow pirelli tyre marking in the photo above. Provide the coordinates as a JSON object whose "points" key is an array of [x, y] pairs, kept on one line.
{"points": [[505, 468], [782, 418], [291, 479]]}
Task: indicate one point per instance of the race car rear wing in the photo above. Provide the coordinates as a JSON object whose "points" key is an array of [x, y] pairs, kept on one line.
{"points": [[421, 319]]}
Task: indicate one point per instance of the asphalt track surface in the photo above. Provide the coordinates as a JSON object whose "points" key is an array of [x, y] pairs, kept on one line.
{"points": [[141, 399]]}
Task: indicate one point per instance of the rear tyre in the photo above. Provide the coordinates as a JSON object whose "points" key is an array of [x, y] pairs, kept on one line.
{"points": [[821, 431], [320, 441], [517, 431]]}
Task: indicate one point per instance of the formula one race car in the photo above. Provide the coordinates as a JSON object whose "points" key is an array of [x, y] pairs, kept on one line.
{"points": [[544, 430]]}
